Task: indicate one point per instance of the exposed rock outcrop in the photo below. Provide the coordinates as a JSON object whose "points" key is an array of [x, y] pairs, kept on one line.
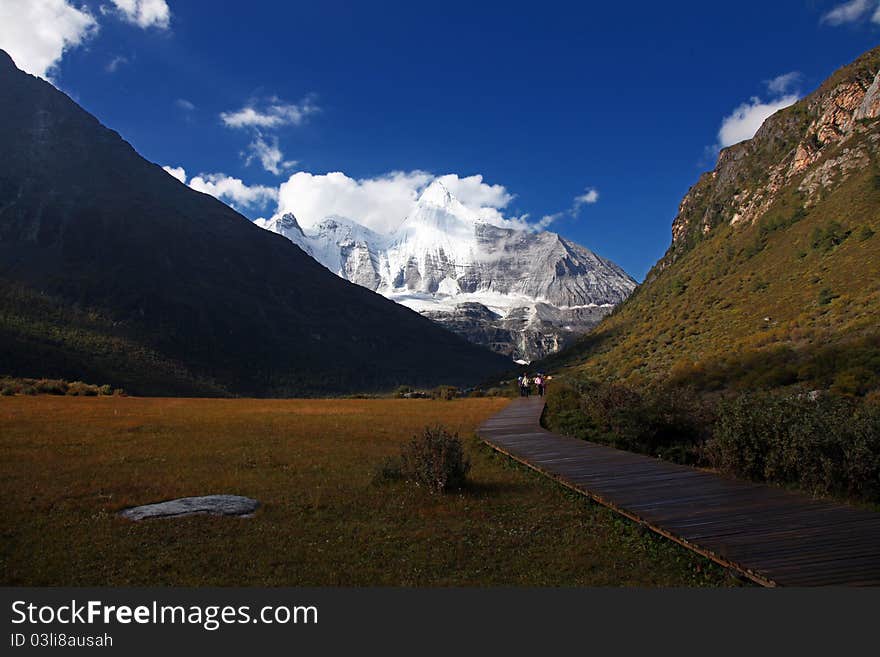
{"points": [[819, 140]]}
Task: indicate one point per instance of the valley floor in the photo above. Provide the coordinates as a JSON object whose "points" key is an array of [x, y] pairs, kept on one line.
{"points": [[68, 464]]}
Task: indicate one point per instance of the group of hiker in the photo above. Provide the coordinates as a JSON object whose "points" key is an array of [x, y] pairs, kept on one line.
{"points": [[525, 384]]}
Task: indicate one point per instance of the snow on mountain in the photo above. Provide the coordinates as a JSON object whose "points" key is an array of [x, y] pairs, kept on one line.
{"points": [[522, 293], [345, 247]]}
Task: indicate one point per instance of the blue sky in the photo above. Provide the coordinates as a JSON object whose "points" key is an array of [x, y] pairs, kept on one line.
{"points": [[547, 101]]}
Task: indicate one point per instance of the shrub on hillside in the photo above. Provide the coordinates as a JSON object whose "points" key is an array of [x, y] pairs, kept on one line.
{"points": [[78, 388], [678, 423], [832, 235], [852, 367], [14, 386], [617, 412], [826, 296], [855, 381], [565, 414], [444, 392], [435, 459], [51, 387], [671, 422], [825, 444]]}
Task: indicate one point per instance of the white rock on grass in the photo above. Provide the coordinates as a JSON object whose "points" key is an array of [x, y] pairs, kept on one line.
{"points": [[216, 505]]}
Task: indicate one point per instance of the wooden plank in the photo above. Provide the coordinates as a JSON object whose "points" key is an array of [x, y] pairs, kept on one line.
{"points": [[771, 535]]}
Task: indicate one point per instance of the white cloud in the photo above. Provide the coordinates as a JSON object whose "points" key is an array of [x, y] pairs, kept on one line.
{"points": [[849, 12], [114, 64], [36, 33], [473, 192], [269, 155], [486, 201], [589, 197], [274, 113], [184, 104], [383, 202], [745, 120], [233, 190], [379, 203], [268, 115], [177, 172], [546, 220], [227, 189], [144, 13], [782, 84]]}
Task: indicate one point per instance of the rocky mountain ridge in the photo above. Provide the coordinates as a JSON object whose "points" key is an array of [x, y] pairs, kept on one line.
{"points": [[817, 142]]}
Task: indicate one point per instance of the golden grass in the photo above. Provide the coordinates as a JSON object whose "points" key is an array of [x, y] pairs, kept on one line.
{"points": [[69, 464]]}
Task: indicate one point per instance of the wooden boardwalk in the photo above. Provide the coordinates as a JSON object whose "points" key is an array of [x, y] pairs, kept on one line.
{"points": [[774, 537]]}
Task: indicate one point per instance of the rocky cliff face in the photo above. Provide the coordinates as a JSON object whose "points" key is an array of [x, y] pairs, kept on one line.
{"points": [[525, 333], [524, 294], [816, 143]]}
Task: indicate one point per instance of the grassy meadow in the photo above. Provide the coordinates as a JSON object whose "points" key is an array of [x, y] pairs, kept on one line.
{"points": [[70, 463]]}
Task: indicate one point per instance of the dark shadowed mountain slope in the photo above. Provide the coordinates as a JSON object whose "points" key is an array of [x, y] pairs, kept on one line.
{"points": [[113, 271], [773, 275]]}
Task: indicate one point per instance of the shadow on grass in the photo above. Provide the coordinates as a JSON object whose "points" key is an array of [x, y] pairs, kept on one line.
{"points": [[480, 489], [475, 489]]}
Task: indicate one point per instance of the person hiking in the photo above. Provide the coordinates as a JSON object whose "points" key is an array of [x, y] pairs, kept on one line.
{"points": [[524, 385], [539, 382]]}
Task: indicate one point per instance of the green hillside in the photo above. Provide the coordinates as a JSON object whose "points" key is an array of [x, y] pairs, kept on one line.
{"points": [[754, 345], [790, 297]]}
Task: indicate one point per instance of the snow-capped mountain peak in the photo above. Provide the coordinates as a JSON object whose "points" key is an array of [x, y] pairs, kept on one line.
{"points": [[288, 222], [339, 229], [436, 194], [288, 226], [439, 211], [536, 289], [439, 232]]}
